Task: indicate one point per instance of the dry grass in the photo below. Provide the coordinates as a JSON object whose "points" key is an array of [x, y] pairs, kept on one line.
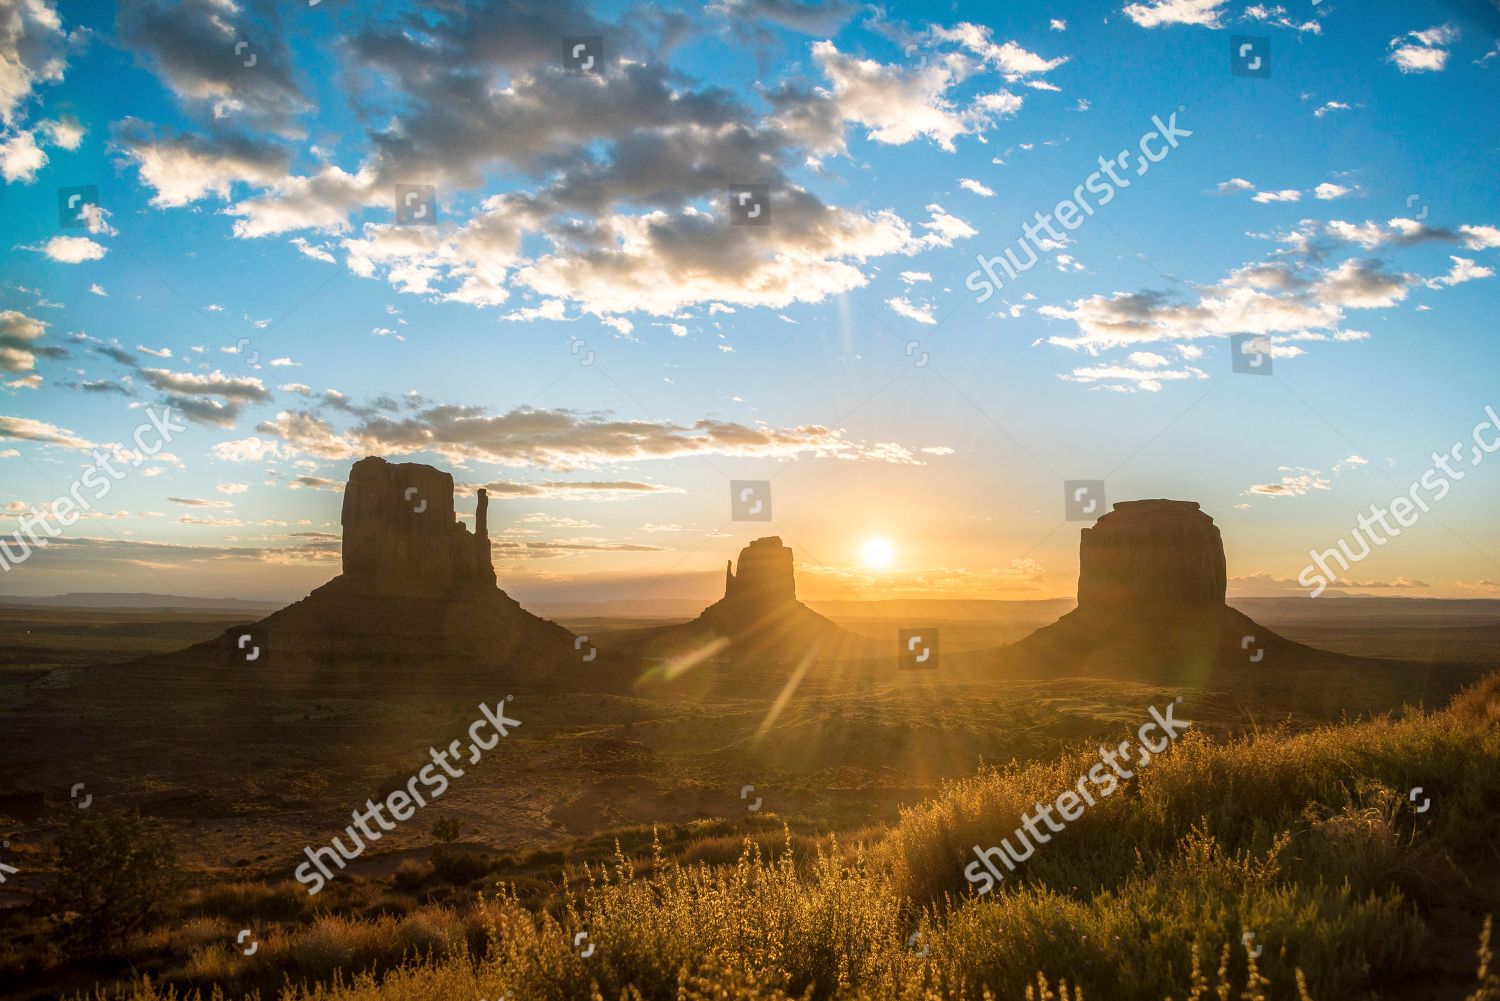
{"points": [[1308, 842]]}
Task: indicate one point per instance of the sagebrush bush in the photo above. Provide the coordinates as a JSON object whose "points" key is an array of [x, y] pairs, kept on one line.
{"points": [[114, 874]]}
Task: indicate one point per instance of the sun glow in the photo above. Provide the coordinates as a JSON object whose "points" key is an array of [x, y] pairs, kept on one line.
{"points": [[876, 553]]}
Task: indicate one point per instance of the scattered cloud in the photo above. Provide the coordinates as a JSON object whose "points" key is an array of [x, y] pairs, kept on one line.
{"points": [[1423, 51], [902, 306], [1161, 13], [1297, 481]]}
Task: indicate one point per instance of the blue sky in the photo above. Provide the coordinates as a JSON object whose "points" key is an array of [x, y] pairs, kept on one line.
{"points": [[245, 264]]}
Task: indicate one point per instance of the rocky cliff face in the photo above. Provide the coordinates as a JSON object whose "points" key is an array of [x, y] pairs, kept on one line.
{"points": [[764, 577], [760, 612], [400, 529], [417, 602], [1151, 554]]}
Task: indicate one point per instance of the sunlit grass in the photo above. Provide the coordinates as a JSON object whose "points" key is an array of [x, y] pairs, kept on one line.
{"points": [[1304, 849]]}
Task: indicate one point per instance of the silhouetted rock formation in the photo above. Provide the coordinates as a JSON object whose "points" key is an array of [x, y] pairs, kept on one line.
{"points": [[762, 589], [1151, 587], [417, 599], [1151, 552], [399, 527], [758, 617]]}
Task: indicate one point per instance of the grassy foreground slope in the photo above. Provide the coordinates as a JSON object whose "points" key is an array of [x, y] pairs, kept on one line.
{"points": [[1310, 843]]}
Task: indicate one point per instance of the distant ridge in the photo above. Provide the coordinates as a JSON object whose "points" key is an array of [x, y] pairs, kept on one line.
{"points": [[136, 599]]}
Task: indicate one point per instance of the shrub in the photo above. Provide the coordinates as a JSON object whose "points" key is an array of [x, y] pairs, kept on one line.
{"points": [[447, 829], [459, 867], [114, 875], [410, 874]]}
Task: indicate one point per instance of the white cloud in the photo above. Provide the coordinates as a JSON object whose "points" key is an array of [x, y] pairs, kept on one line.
{"points": [[552, 439], [32, 52], [28, 429], [1480, 237], [903, 306], [899, 104], [19, 335], [1298, 481], [1276, 300], [21, 157], [1235, 184], [1463, 270], [1330, 107], [1285, 195], [72, 249], [183, 169], [1363, 285], [1131, 378], [1328, 191], [316, 253], [969, 184], [252, 449], [232, 488], [1423, 51], [1157, 13]]}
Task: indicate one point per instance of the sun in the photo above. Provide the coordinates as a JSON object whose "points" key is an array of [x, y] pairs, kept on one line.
{"points": [[876, 553]]}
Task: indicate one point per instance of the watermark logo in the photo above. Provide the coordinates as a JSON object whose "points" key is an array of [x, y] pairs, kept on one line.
{"points": [[426, 784], [88, 797], [254, 945], [1250, 354], [1104, 778], [252, 359], [1407, 509], [576, 346], [913, 939], [583, 54], [578, 644], [1042, 237], [248, 648], [750, 500], [1248, 940], [418, 508], [745, 792], [416, 205], [1246, 642], [911, 348], [1083, 500], [750, 204], [150, 438], [918, 649], [1412, 798], [239, 49], [578, 940], [1249, 55], [77, 207]]}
